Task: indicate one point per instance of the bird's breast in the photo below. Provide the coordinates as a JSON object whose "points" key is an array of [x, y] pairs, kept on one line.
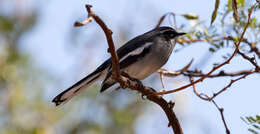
{"points": [[151, 62]]}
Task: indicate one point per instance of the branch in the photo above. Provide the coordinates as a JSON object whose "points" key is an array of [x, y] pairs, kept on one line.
{"points": [[218, 66], [127, 82], [202, 95], [206, 98], [170, 74], [251, 60], [196, 73], [229, 85], [135, 84], [221, 110], [254, 49], [85, 22]]}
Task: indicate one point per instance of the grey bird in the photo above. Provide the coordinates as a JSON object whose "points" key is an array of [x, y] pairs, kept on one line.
{"points": [[139, 58]]}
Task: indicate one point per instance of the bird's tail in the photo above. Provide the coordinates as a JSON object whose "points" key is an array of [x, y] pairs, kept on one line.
{"points": [[77, 88]]}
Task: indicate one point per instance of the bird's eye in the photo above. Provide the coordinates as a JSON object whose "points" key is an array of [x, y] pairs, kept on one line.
{"points": [[169, 34]]}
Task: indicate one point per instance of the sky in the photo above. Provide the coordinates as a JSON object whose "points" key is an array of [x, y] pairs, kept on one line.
{"points": [[49, 43]]}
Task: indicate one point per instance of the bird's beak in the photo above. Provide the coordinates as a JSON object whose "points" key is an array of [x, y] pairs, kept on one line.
{"points": [[180, 34]]}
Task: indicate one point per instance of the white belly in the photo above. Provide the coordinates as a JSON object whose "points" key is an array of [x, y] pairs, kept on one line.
{"points": [[141, 70], [145, 67]]}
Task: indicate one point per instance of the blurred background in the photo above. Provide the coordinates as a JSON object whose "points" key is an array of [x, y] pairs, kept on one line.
{"points": [[42, 54]]}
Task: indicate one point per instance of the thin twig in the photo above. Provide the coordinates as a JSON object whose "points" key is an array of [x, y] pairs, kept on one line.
{"points": [[201, 96], [235, 12], [196, 73], [229, 85], [251, 60], [163, 18], [220, 74], [170, 74], [162, 82], [254, 49], [85, 22], [221, 110], [206, 98]]}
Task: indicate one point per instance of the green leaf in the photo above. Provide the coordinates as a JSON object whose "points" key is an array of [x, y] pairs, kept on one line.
{"points": [[214, 14], [253, 131], [241, 3], [253, 23], [6, 24], [217, 46], [254, 123], [258, 118], [206, 32], [229, 5], [212, 50], [189, 37], [251, 119], [236, 39], [190, 16], [257, 127], [221, 44]]}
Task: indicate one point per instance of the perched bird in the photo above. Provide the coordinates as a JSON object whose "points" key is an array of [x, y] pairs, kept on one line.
{"points": [[139, 58]]}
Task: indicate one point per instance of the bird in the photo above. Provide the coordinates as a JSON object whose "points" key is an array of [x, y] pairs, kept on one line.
{"points": [[139, 58]]}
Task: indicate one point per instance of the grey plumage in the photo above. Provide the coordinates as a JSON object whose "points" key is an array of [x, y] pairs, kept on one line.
{"points": [[139, 58]]}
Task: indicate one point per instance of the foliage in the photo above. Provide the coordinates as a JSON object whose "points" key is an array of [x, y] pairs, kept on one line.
{"points": [[253, 122], [217, 33]]}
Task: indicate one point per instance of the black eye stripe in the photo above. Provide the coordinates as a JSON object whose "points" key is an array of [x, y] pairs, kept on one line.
{"points": [[169, 32]]}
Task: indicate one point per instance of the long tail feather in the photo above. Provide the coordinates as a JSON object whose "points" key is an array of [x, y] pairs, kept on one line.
{"points": [[76, 88]]}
